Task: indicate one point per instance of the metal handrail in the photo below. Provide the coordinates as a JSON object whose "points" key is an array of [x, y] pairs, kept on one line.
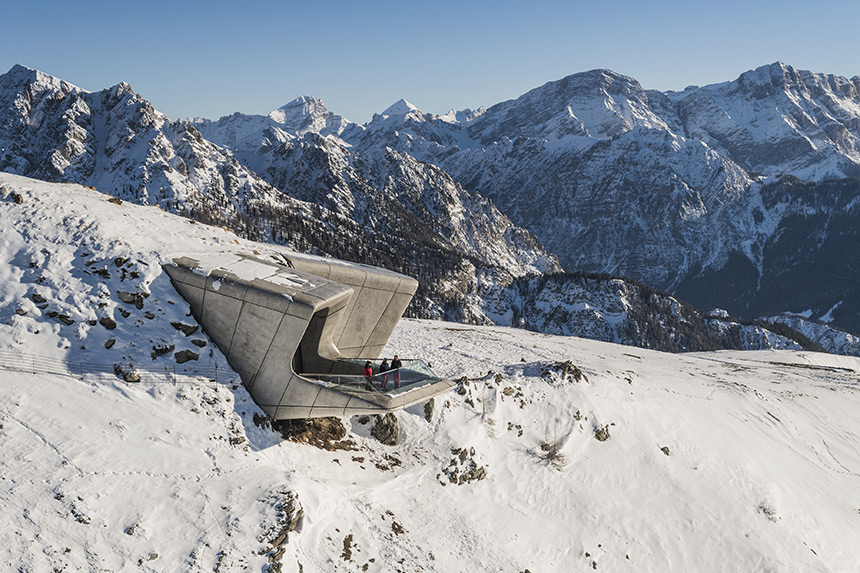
{"points": [[407, 377]]}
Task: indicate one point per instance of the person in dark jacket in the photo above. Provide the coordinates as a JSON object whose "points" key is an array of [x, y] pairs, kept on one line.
{"points": [[383, 369], [396, 365]]}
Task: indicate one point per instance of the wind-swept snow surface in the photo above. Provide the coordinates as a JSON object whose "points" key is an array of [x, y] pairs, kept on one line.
{"points": [[746, 461]]}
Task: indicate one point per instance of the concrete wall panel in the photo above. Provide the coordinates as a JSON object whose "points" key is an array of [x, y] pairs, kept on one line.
{"points": [[331, 399], [382, 281], [226, 284], [268, 295], [285, 342], [328, 292], [193, 296], [326, 412], [371, 352], [291, 413], [219, 317], [388, 319], [182, 272], [254, 334], [353, 276], [370, 306], [318, 267], [337, 332], [301, 392], [407, 285], [270, 390]]}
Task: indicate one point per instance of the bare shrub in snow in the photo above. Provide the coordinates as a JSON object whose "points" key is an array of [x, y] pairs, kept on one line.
{"points": [[552, 455]]}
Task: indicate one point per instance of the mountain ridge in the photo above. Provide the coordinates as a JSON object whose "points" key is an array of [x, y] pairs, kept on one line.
{"points": [[591, 168]]}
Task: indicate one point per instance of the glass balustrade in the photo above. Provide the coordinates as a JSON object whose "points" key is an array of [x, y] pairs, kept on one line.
{"points": [[347, 373]]}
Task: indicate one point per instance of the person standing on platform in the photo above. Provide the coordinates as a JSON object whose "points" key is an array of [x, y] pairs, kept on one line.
{"points": [[368, 374], [383, 369], [396, 365]]}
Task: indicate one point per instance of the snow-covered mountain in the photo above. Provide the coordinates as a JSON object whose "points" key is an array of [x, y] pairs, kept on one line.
{"points": [[554, 453], [285, 177], [778, 120], [115, 141], [831, 339], [723, 195], [600, 307], [683, 191]]}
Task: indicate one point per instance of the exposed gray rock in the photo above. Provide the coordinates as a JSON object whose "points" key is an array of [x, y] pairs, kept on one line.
{"points": [[161, 350], [107, 322], [134, 298], [184, 356], [186, 329], [127, 372], [386, 429], [428, 409], [601, 433]]}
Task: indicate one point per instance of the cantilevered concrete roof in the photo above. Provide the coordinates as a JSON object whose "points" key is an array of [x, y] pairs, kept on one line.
{"points": [[279, 317]]}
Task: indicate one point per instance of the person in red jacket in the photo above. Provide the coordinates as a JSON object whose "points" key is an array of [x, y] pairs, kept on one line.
{"points": [[368, 374]]}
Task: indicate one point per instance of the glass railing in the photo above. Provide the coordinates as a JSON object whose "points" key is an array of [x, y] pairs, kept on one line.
{"points": [[347, 373]]}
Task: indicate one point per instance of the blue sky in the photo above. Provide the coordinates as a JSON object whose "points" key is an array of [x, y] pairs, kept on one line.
{"points": [[209, 59]]}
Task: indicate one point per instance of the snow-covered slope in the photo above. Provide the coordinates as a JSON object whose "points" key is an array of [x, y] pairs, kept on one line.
{"points": [[178, 472]]}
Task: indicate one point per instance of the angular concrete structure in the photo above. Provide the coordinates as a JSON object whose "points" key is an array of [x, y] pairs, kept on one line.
{"points": [[297, 329]]}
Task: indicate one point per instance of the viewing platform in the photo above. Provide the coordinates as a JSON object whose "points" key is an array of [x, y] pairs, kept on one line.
{"points": [[413, 380], [298, 330]]}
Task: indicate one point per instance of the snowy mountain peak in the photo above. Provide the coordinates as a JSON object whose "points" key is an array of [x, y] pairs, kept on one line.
{"points": [[400, 108], [20, 77], [121, 89], [301, 107], [462, 116], [600, 77], [598, 104], [307, 114], [776, 74]]}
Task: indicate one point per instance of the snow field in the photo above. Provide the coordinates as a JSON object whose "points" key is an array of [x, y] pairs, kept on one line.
{"points": [[762, 472]]}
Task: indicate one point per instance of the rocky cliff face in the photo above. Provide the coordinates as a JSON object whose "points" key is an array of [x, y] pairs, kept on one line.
{"points": [[684, 191], [285, 177], [115, 141], [831, 339], [601, 307]]}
